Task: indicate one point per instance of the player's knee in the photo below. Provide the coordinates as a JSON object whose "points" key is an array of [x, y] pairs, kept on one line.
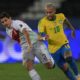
{"points": [[28, 65], [65, 67], [49, 65]]}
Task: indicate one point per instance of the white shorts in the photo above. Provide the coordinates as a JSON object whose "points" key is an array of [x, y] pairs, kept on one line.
{"points": [[39, 50]]}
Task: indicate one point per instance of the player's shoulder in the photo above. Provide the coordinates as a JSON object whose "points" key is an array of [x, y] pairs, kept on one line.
{"points": [[60, 14], [16, 24], [17, 21], [43, 19]]}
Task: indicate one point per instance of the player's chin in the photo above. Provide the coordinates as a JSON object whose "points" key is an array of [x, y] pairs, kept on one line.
{"points": [[7, 26], [50, 17]]}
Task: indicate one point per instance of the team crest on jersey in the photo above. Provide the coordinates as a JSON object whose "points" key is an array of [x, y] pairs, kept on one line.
{"points": [[60, 21], [20, 25]]}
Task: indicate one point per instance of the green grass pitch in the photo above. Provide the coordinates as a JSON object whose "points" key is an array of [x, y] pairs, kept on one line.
{"points": [[17, 72]]}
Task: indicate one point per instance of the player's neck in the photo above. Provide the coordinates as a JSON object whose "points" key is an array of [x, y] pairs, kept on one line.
{"points": [[9, 27], [52, 18]]}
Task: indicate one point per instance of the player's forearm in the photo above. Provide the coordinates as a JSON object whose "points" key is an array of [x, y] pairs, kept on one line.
{"points": [[69, 25], [27, 37]]}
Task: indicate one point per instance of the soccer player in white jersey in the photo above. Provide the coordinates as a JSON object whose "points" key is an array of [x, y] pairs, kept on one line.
{"points": [[31, 46]]}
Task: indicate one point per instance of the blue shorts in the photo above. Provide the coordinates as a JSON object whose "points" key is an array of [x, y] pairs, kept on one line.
{"points": [[59, 55]]}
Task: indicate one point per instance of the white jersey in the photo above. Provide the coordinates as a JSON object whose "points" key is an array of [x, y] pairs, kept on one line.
{"points": [[19, 26], [39, 49]]}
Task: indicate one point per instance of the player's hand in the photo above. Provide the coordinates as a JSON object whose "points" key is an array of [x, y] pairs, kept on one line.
{"points": [[73, 34], [46, 37]]}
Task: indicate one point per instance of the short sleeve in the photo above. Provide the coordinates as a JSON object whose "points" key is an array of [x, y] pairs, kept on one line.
{"points": [[62, 16], [41, 27], [20, 25]]}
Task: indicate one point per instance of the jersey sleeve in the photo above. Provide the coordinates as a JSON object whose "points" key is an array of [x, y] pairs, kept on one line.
{"points": [[21, 25], [41, 27], [62, 16]]}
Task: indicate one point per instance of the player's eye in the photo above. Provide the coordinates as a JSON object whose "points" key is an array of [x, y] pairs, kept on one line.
{"points": [[3, 21]]}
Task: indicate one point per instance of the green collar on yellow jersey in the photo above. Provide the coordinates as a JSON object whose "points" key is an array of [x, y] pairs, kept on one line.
{"points": [[53, 19]]}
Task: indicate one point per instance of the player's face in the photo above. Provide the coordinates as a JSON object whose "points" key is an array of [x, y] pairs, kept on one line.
{"points": [[50, 12], [6, 22]]}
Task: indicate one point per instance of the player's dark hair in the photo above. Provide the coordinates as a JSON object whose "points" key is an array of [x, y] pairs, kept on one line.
{"points": [[4, 14]]}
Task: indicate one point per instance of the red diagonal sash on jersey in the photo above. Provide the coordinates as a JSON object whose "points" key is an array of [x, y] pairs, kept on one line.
{"points": [[15, 35]]}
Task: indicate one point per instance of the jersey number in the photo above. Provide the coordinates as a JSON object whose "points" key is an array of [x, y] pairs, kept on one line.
{"points": [[57, 29]]}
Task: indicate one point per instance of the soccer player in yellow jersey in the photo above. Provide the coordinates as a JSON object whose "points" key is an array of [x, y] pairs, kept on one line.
{"points": [[50, 28]]}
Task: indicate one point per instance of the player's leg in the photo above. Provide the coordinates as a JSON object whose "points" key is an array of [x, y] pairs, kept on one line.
{"points": [[43, 55], [67, 71], [32, 72], [28, 61], [70, 60], [72, 63], [61, 63]]}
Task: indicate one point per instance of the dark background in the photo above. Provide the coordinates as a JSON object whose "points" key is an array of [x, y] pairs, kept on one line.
{"points": [[70, 7], [14, 7]]}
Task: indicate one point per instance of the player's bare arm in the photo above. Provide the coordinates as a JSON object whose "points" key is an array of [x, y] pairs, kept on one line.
{"points": [[70, 26], [25, 32]]}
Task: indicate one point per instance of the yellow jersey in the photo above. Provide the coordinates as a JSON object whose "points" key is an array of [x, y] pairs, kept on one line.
{"points": [[54, 29]]}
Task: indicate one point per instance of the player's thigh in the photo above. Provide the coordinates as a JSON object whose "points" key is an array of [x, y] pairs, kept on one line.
{"points": [[43, 54], [59, 60], [66, 52], [26, 56], [62, 64]]}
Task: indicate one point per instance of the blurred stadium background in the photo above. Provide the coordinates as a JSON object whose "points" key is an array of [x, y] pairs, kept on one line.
{"points": [[31, 11]]}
